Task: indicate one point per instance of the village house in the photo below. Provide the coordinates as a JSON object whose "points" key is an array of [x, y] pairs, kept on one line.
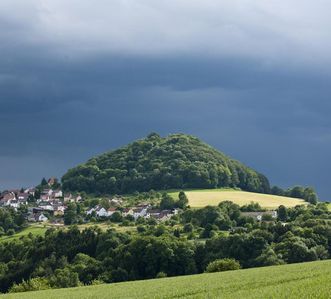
{"points": [[46, 207], [23, 197], [90, 211], [35, 210], [49, 194], [59, 210], [41, 218], [116, 202], [102, 212], [52, 181], [37, 217], [30, 191], [99, 211], [12, 199], [57, 194], [259, 215], [153, 213], [161, 215], [46, 194], [165, 215], [14, 204], [7, 198], [128, 211], [15, 191], [140, 211], [68, 197]]}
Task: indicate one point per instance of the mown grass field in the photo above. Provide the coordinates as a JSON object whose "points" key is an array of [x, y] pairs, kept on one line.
{"points": [[35, 229], [306, 280], [202, 198], [40, 229]]}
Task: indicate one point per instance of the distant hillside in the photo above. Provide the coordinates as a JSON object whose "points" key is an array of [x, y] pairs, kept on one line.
{"points": [[297, 281], [174, 162]]}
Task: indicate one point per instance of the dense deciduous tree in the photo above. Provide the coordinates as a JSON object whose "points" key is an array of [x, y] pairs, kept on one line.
{"points": [[177, 161], [222, 265], [65, 258]]}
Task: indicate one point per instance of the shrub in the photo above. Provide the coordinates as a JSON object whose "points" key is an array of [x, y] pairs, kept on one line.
{"points": [[161, 275], [64, 278], [267, 217], [177, 233], [96, 282], [222, 265], [116, 217], [188, 227], [34, 284], [141, 229], [10, 232]]}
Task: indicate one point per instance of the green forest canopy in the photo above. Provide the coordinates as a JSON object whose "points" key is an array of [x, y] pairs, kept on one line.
{"points": [[177, 161]]}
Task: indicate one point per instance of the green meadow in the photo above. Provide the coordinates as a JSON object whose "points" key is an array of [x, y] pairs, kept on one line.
{"points": [[305, 280], [35, 229]]}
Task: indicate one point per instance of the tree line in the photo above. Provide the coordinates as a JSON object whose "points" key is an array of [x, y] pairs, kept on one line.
{"points": [[195, 241], [306, 193]]}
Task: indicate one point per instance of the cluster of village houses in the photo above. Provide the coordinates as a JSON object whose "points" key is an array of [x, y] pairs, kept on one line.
{"points": [[145, 211], [54, 202], [51, 201]]}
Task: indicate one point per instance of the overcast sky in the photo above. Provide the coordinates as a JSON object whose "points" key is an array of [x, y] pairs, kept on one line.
{"points": [[252, 78]]}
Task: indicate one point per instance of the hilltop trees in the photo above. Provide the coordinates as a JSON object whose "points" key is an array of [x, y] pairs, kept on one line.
{"points": [[176, 162], [309, 195], [306, 193]]}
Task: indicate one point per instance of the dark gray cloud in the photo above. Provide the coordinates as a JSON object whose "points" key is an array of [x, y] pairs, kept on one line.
{"points": [[73, 85]]}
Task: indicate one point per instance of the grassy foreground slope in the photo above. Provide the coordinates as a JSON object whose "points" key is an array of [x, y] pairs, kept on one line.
{"points": [[212, 197], [306, 280]]}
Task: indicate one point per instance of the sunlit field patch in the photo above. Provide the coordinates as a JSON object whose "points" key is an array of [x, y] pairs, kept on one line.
{"points": [[305, 280]]}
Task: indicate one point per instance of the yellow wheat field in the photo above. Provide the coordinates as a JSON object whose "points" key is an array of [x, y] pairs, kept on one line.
{"points": [[202, 198]]}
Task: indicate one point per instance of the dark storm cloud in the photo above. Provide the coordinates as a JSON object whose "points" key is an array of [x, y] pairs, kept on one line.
{"points": [[67, 94]]}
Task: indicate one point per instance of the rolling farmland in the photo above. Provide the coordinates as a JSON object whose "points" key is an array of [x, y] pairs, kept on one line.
{"points": [[305, 280], [202, 198]]}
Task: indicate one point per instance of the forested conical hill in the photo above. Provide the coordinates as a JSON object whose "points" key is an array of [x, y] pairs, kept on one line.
{"points": [[175, 162]]}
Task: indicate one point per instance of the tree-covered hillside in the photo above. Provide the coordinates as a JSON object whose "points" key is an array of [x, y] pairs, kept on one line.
{"points": [[174, 162]]}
